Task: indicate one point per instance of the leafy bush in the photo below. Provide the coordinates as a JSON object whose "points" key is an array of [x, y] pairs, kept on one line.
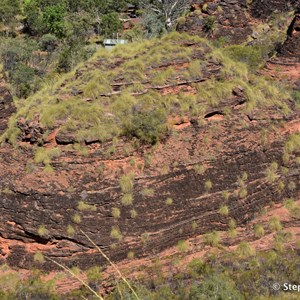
{"points": [[212, 239], [48, 42], [209, 24], [116, 213], [115, 233], [110, 25], [275, 224], [249, 55], [224, 210], [215, 287], [127, 199], [126, 183], [82, 206], [259, 230], [148, 126]]}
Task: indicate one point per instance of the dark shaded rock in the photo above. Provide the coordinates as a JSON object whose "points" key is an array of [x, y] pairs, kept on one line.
{"points": [[262, 9], [291, 47], [31, 130], [226, 19], [64, 138]]}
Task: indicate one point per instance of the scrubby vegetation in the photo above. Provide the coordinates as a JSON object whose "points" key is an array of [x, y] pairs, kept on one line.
{"points": [[118, 93], [240, 275]]}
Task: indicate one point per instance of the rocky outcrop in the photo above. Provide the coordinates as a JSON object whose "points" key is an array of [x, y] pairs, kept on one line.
{"points": [[234, 21], [222, 161], [291, 47], [265, 8], [130, 197], [228, 20], [7, 107]]}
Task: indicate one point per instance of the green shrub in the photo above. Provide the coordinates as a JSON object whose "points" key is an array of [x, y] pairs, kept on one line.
{"points": [[259, 230], [243, 192], [94, 274], [293, 208], [130, 255], [232, 233], [250, 55], [42, 231], [39, 257], [224, 210], [232, 223], [147, 192], [212, 239], [275, 224], [194, 225], [126, 183], [45, 156], [199, 169], [148, 126], [116, 213], [127, 199], [70, 230], [76, 218], [225, 195], [133, 213], [198, 267], [182, 246], [271, 172], [82, 206], [245, 250], [115, 233], [215, 287], [208, 185], [293, 143], [169, 201], [209, 24]]}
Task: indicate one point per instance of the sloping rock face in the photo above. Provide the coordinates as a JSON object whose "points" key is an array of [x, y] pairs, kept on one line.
{"points": [[264, 8], [235, 154], [233, 21], [226, 19], [291, 47], [127, 196], [6, 105]]}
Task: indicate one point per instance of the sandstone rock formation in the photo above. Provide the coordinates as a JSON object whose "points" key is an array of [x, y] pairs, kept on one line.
{"points": [[234, 152], [226, 19]]}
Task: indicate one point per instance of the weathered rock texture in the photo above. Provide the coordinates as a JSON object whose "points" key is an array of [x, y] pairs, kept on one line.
{"points": [[235, 21], [291, 47], [264, 8], [201, 162], [225, 147], [226, 19]]}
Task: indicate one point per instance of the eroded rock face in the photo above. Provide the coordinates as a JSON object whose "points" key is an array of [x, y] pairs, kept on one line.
{"points": [[7, 107], [204, 158], [38, 208], [31, 131], [233, 21], [226, 19], [291, 47], [264, 8]]}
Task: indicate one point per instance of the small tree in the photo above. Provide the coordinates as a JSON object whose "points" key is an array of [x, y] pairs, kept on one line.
{"points": [[53, 20], [166, 10], [110, 24]]}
